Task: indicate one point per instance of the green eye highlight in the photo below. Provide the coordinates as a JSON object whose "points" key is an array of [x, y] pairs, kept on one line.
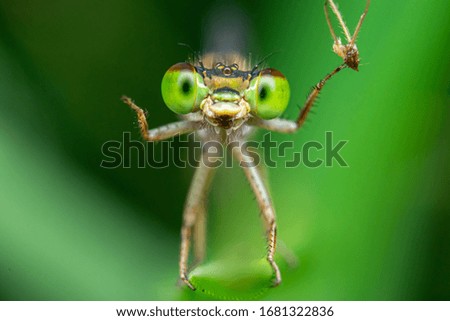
{"points": [[268, 94], [183, 89]]}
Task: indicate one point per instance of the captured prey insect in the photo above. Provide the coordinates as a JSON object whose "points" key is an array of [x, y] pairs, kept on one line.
{"points": [[222, 97]]}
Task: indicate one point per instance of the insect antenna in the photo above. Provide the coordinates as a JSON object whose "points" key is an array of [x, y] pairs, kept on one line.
{"points": [[263, 60], [195, 54]]}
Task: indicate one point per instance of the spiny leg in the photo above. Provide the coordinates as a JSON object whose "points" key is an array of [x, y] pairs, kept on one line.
{"points": [[350, 55], [193, 211], [265, 204], [313, 96], [289, 126], [163, 132], [195, 203]]}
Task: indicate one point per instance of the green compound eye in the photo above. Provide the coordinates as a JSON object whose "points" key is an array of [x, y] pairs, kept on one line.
{"points": [[183, 89], [268, 94]]}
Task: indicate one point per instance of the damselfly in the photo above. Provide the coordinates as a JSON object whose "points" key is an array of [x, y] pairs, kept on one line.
{"points": [[222, 97]]}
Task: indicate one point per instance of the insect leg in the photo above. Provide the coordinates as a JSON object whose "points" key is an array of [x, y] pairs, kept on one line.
{"points": [[163, 132], [199, 232], [265, 204], [288, 126], [194, 210], [348, 52]]}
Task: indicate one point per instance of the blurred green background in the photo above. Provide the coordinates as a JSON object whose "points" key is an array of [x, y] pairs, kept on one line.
{"points": [[71, 230]]}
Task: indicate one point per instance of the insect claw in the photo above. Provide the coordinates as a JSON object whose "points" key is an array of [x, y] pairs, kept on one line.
{"points": [[187, 282], [276, 282]]}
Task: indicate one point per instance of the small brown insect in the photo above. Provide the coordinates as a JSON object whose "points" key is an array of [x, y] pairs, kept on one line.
{"points": [[348, 52]]}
